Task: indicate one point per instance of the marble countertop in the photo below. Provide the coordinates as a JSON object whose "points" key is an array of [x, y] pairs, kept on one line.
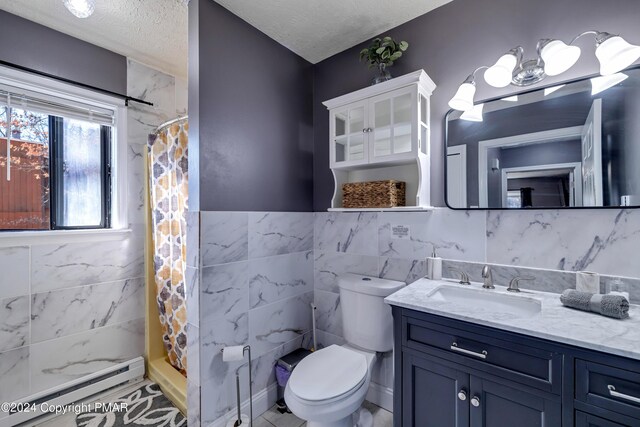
{"points": [[554, 322]]}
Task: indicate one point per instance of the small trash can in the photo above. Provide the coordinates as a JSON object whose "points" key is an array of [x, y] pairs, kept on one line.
{"points": [[284, 366]]}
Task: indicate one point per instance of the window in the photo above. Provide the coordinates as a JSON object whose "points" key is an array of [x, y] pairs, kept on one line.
{"points": [[55, 163]]}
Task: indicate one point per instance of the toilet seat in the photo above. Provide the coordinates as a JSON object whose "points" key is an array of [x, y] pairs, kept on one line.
{"points": [[328, 374]]}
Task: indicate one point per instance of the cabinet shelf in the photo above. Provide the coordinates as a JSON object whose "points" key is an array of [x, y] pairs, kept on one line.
{"points": [[396, 209], [381, 133]]}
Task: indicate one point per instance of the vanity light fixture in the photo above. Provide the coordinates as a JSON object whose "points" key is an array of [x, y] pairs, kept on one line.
{"points": [[501, 73], [614, 53], [474, 114], [558, 57], [554, 58], [80, 8], [602, 83], [463, 99]]}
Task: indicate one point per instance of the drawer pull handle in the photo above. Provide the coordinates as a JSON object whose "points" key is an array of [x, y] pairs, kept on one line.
{"points": [[482, 355], [614, 393]]}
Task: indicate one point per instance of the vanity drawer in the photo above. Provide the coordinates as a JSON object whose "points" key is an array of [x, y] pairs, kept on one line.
{"points": [[607, 387], [527, 365]]}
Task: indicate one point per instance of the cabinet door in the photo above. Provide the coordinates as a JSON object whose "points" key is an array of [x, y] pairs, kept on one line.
{"points": [[496, 405], [587, 420], [349, 133], [393, 120], [433, 395]]}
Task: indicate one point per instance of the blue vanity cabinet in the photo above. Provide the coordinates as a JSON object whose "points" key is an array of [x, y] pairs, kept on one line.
{"points": [[434, 387], [587, 420], [451, 373], [499, 405], [455, 377]]}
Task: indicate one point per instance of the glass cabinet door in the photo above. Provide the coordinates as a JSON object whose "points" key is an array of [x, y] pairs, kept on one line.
{"points": [[392, 118], [348, 139]]}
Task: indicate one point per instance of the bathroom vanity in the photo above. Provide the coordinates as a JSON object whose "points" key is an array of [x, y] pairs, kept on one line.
{"points": [[467, 356]]}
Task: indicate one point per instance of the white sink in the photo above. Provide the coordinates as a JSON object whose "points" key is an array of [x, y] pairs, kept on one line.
{"points": [[486, 300]]}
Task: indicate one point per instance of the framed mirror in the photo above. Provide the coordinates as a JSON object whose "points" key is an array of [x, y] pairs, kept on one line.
{"points": [[572, 145]]}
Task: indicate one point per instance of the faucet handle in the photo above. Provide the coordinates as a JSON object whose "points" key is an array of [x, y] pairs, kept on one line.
{"points": [[514, 284], [464, 277]]}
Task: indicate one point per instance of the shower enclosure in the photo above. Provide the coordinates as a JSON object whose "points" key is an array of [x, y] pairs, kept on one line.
{"points": [[166, 251]]}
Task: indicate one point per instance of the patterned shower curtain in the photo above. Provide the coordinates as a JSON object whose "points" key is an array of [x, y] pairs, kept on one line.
{"points": [[168, 187]]}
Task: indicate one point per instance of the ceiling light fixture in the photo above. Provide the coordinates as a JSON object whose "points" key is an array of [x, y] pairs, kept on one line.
{"points": [[554, 57], [80, 8]]}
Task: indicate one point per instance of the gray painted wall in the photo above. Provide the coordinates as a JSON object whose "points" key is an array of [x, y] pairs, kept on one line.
{"points": [[193, 100], [38, 47], [452, 41], [254, 126]]}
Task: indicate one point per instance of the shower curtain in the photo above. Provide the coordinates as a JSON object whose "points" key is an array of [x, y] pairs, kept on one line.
{"points": [[168, 188]]}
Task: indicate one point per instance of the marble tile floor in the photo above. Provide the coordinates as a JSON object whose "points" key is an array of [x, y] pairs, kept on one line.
{"points": [[273, 418]]}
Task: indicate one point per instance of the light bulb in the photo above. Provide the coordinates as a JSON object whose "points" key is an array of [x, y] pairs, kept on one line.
{"points": [[474, 114], [463, 99], [501, 73], [615, 54], [558, 57], [80, 8], [602, 83]]}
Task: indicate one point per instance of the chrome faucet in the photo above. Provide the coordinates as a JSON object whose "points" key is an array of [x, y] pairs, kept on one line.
{"points": [[515, 282], [488, 278]]}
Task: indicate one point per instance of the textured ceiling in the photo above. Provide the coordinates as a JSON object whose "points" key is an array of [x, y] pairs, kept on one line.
{"points": [[150, 31], [318, 29], [155, 31]]}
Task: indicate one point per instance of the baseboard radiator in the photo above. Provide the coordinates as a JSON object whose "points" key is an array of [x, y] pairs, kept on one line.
{"points": [[75, 391]]}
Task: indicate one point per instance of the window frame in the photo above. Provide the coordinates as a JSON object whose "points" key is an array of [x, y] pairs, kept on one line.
{"points": [[56, 180], [115, 212]]}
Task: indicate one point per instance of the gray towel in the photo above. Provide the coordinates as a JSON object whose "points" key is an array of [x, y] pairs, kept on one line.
{"points": [[608, 305]]}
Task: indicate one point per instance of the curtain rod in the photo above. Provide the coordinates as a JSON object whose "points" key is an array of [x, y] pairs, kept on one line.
{"points": [[126, 98]]}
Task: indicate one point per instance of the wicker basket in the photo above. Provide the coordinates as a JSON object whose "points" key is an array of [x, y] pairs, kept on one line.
{"points": [[373, 194]]}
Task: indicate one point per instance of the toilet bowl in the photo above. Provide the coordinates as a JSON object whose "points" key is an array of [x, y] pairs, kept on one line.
{"points": [[330, 385], [327, 387]]}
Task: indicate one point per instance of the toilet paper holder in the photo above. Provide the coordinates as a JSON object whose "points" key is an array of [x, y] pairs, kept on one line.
{"points": [[245, 349]]}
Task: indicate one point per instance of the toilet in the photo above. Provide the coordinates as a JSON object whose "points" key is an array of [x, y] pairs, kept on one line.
{"points": [[328, 386]]}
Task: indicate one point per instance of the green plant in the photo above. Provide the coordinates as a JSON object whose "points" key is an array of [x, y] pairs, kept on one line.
{"points": [[383, 51]]}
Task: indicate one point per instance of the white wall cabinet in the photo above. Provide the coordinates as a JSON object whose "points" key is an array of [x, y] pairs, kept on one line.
{"points": [[382, 132]]}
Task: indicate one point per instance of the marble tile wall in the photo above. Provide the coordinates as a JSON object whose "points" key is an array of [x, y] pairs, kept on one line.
{"points": [[85, 314], [256, 287], [258, 272], [193, 319], [550, 245], [71, 309], [364, 243]]}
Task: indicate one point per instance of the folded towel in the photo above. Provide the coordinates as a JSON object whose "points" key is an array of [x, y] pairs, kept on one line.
{"points": [[608, 305]]}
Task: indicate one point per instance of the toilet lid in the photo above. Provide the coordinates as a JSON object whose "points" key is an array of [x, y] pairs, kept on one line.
{"points": [[328, 373]]}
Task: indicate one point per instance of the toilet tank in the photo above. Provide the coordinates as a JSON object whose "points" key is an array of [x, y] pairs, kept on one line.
{"points": [[366, 319]]}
